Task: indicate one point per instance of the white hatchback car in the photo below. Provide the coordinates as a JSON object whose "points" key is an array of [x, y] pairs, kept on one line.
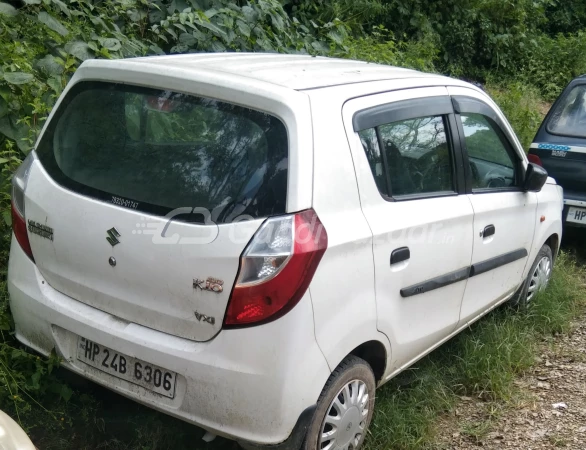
{"points": [[253, 242]]}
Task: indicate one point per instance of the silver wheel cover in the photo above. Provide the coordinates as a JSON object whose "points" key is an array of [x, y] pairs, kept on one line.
{"points": [[345, 422], [539, 277]]}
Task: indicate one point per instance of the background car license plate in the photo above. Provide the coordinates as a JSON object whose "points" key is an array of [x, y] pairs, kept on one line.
{"points": [[130, 369], [576, 215]]}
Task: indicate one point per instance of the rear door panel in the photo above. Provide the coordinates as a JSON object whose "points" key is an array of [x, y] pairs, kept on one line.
{"points": [[418, 298]]}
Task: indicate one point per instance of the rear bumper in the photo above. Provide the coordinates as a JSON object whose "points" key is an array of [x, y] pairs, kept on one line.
{"points": [[250, 384]]}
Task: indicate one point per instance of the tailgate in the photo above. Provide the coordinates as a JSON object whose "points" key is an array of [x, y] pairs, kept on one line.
{"points": [[152, 196]]}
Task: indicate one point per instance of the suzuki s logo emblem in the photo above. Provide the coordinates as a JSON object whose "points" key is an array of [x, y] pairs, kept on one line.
{"points": [[113, 236]]}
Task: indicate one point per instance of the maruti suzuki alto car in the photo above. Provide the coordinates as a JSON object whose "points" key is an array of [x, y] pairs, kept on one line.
{"points": [[253, 243]]}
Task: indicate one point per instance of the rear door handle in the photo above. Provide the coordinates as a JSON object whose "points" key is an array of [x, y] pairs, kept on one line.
{"points": [[489, 230], [400, 254]]}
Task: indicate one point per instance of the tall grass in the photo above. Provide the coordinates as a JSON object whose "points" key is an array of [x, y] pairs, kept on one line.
{"points": [[481, 362]]}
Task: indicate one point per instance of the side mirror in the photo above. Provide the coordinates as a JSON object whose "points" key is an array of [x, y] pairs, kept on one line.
{"points": [[535, 178]]}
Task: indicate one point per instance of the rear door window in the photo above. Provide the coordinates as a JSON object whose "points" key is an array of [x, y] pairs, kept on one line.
{"points": [[156, 150], [416, 158], [569, 115]]}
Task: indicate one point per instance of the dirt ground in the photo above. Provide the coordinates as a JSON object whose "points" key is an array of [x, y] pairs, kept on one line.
{"points": [[550, 411]]}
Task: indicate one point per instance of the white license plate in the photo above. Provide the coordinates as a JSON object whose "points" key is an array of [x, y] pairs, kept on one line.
{"points": [[576, 215], [136, 371]]}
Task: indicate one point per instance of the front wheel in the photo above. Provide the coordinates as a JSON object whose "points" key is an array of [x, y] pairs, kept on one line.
{"points": [[344, 409], [537, 278]]}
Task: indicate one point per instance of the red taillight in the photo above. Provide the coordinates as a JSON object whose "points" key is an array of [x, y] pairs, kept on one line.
{"points": [[19, 228], [534, 159], [276, 268]]}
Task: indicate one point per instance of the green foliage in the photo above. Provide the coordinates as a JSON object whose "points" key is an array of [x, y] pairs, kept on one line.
{"points": [[565, 16], [383, 48], [541, 42], [554, 62], [42, 44], [522, 106], [358, 15]]}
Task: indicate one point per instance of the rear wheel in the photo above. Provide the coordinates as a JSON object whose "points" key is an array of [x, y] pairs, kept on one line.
{"points": [[344, 409], [537, 278]]}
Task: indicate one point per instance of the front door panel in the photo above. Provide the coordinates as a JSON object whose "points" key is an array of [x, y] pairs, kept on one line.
{"points": [[504, 215], [498, 260]]}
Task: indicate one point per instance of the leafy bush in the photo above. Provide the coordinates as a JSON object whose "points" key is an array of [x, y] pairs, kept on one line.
{"points": [[43, 43], [470, 38], [565, 16], [522, 106], [382, 47], [554, 62]]}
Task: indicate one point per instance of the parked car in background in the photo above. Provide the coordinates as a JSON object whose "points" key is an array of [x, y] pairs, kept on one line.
{"points": [[560, 147], [253, 243]]}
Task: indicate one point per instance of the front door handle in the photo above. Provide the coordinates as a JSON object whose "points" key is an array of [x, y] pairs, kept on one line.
{"points": [[489, 230], [400, 254]]}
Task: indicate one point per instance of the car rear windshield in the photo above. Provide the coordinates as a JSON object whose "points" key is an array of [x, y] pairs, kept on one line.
{"points": [[156, 150], [569, 116]]}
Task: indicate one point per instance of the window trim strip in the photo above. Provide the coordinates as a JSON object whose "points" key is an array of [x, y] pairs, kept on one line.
{"points": [[402, 110], [383, 153]]}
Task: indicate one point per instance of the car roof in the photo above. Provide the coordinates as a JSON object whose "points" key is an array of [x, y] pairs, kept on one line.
{"points": [[292, 71]]}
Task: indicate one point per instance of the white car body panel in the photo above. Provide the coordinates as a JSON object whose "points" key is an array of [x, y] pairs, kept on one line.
{"points": [[235, 385], [12, 437], [343, 289], [252, 384], [547, 223], [76, 264], [506, 211]]}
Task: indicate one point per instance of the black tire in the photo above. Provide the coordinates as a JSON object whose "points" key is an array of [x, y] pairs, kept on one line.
{"points": [[350, 371], [522, 298]]}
